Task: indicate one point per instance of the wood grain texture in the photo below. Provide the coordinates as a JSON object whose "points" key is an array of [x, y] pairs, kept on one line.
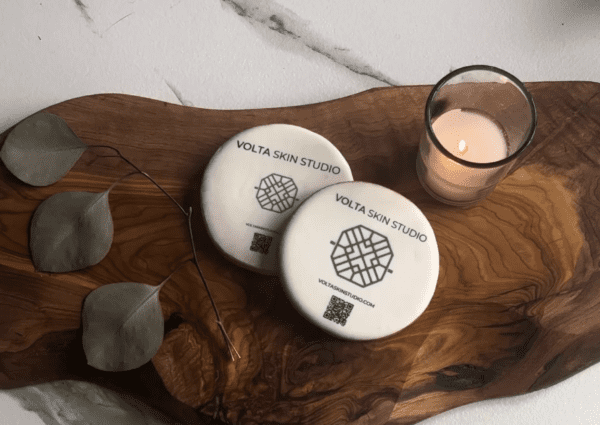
{"points": [[517, 307]]}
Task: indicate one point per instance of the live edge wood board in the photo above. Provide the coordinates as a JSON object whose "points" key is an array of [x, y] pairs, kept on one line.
{"points": [[516, 309]]}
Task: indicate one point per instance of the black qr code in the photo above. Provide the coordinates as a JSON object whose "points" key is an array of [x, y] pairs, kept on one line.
{"points": [[338, 310], [261, 243]]}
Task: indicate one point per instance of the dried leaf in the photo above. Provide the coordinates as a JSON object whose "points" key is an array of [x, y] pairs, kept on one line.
{"points": [[123, 326], [71, 231], [41, 149]]}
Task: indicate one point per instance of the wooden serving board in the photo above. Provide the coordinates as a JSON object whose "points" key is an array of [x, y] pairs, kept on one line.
{"points": [[517, 306]]}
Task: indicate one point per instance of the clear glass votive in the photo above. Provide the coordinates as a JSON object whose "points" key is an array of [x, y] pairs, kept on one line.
{"points": [[478, 120]]}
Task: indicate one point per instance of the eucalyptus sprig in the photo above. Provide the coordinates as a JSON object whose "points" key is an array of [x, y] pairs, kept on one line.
{"points": [[122, 325], [122, 322]]}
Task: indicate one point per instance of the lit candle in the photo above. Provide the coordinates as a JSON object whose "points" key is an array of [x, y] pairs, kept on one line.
{"points": [[471, 136], [488, 119], [468, 135]]}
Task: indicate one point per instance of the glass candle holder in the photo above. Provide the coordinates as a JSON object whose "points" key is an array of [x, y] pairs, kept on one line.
{"points": [[478, 120]]}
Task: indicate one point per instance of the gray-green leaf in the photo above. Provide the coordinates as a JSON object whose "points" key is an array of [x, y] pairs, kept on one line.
{"points": [[123, 326], [41, 149], [71, 231]]}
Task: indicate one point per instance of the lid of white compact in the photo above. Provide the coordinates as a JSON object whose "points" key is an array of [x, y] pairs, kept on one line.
{"points": [[254, 183], [359, 260]]}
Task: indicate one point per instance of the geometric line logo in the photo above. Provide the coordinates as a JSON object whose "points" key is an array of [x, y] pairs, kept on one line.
{"points": [[276, 193], [361, 256]]}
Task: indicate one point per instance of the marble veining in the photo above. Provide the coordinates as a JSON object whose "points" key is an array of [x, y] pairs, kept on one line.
{"points": [[115, 23], [83, 8], [84, 12], [178, 94], [266, 14]]}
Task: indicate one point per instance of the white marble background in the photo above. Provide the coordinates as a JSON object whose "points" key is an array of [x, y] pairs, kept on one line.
{"points": [[237, 54]]}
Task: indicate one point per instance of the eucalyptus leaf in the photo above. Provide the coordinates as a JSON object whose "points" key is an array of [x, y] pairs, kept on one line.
{"points": [[41, 149], [71, 231], [123, 326]]}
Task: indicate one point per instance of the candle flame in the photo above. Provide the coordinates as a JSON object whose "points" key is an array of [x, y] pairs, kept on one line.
{"points": [[462, 146]]}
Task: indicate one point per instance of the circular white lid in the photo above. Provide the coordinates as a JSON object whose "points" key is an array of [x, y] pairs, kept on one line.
{"points": [[256, 180], [359, 260]]}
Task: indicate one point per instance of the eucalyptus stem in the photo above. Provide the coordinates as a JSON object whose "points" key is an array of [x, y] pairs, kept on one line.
{"points": [[120, 180], [173, 272], [143, 173], [230, 345]]}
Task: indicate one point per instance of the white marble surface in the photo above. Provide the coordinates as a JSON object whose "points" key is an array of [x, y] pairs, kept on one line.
{"points": [[236, 54]]}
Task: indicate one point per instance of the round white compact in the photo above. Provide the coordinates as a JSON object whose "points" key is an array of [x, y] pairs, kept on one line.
{"points": [[254, 183], [359, 260]]}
